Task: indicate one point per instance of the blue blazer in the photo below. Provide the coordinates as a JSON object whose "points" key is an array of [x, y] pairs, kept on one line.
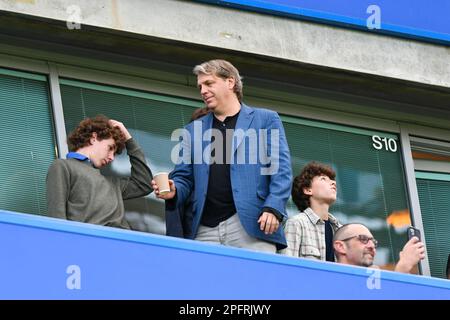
{"points": [[179, 219], [255, 184]]}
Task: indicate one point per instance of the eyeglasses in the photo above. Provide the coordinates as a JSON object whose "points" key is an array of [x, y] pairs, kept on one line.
{"points": [[363, 239]]}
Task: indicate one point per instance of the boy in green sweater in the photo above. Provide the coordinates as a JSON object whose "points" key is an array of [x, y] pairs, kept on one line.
{"points": [[76, 190]]}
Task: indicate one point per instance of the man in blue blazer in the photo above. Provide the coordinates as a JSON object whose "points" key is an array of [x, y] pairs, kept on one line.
{"points": [[236, 162]]}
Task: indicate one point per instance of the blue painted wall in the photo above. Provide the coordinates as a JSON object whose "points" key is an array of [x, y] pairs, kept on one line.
{"points": [[120, 264], [417, 19]]}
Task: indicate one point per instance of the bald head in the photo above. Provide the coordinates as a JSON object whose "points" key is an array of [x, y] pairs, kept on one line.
{"points": [[354, 244], [350, 230]]}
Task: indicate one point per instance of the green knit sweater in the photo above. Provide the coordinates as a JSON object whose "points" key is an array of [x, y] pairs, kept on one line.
{"points": [[78, 191]]}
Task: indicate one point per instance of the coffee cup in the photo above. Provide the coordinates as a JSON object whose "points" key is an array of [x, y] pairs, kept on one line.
{"points": [[162, 181]]}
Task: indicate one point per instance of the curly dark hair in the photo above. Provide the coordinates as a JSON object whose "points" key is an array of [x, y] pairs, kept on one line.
{"points": [[81, 135], [304, 180]]}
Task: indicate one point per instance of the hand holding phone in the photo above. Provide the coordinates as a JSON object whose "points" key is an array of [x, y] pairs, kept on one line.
{"points": [[413, 232], [412, 252]]}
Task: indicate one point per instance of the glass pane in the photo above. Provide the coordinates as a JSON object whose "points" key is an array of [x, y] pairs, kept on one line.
{"points": [[434, 197], [371, 186], [27, 144]]}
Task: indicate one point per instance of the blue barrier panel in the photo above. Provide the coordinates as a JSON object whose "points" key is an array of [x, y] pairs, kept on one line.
{"points": [[46, 258], [417, 19]]}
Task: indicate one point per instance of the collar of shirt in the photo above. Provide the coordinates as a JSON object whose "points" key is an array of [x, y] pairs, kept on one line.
{"points": [[78, 156], [227, 120], [315, 218]]}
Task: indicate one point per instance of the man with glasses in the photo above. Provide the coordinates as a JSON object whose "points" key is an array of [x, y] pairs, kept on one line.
{"points": [[354, 244]]}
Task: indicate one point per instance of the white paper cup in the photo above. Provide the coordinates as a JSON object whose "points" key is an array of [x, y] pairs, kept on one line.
{"points": [[162, 181]]}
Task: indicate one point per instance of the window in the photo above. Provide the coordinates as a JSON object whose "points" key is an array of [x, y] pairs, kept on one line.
{"points": [[434, 198], [370, 178], [27, 146], [432, 165]]}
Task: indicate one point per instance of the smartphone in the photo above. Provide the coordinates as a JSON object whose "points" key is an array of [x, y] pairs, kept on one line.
{"points": [[413, 232]]}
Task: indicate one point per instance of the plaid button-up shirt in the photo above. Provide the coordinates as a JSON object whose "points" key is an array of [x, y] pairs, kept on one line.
{"points": [[305, 235]]}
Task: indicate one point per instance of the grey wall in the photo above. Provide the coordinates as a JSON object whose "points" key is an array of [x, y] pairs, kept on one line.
{"points": [[258, 34]]}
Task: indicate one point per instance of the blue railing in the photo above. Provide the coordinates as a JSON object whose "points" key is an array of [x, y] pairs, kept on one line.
{"points": [[46, 258]]}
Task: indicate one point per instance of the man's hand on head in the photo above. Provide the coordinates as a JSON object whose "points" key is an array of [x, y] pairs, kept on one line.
{"points": [[122, 128]]}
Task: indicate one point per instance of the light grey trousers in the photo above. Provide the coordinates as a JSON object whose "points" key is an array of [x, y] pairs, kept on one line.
{"points": [[231, 233]]}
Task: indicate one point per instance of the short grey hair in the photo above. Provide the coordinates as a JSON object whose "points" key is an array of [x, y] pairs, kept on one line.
{"points": [[222, 69]]}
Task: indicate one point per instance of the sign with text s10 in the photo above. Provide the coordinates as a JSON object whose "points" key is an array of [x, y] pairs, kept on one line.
{"points": [[417, 19]]}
